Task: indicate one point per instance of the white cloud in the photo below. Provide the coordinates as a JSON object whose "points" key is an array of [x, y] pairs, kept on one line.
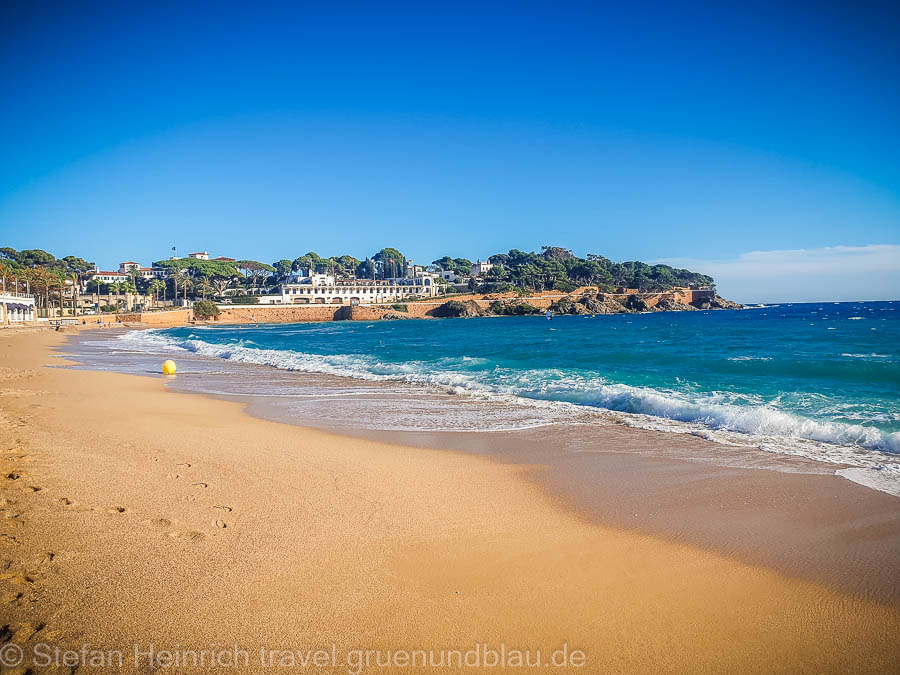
{"points": [[805, 275]]}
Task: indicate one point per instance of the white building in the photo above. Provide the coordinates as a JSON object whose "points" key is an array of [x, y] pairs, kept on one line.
{"points": [[202, 255], [124, 273], [145, 272], [16, 308], [479, 269], [325, 289], [108, 277]]}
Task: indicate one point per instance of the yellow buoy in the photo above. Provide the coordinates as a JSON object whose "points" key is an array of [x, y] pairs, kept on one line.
{"points": [[168, 367]]}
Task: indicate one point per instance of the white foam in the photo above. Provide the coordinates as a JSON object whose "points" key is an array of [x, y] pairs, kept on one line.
{"points": [[872, 478], [724, 417]]}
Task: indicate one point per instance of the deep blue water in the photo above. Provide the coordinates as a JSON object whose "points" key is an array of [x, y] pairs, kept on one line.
{"points": [[827, 373]]}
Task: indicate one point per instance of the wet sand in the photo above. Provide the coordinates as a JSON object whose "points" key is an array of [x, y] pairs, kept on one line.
{"points": [[133, 514], [807, 523]]}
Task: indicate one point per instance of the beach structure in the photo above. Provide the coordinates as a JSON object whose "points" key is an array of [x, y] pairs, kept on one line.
{"points": [[326, 289], [693, 294], [17, 309]]}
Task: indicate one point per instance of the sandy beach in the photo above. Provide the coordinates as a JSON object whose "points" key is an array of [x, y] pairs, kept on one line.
{"points": [[149, 525]]}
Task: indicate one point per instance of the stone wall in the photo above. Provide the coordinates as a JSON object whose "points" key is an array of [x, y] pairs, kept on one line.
{"points": [[688, 296], [156, 319], [280, 313]]}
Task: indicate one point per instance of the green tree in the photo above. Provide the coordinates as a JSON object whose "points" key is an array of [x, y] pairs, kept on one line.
{"points": [[221, 285], [254, 271], [34, 256], [283, 268], [392, 262]]}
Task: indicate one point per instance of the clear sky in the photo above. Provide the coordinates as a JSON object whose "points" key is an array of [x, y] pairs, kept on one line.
{"points": [[725, 136]]}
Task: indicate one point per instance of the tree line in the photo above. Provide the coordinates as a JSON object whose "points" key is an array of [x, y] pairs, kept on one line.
{"points": [[553, 267]]}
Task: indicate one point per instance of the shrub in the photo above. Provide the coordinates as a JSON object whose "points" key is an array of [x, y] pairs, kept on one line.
{"points": [[205, 309], [245, 299], [400, 308], [513, 308], [564, 285]]}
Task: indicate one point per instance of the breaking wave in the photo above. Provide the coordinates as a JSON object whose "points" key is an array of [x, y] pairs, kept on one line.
{"points": [[762, 423]]}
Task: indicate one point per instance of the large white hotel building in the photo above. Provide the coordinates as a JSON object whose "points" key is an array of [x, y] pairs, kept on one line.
{"points": [[325, 289]]}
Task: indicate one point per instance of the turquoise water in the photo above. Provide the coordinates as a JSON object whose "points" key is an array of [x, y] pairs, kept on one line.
{"points": [[790, 376]]}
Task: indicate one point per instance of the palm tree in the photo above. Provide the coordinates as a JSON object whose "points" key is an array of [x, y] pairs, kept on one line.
{"points": [[177, 277], [41, 280], [204, 286], [128, 287], [5, 273], [73, 277], [155, 287], [117, 287], [134, 275]]}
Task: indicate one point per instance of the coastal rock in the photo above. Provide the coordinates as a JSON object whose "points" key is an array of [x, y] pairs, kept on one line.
{"points": [[668, 305], [718, 302], [635, 303], [456, 308], [568, 306], [592, 304], [393, 316], [722, 303], [512, 308]]}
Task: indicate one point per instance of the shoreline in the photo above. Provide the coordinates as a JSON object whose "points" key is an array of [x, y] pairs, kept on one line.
{"points": [[334, 539], [779, 513]]}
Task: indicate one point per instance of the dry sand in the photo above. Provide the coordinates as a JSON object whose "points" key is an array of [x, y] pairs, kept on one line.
{"points": [[134, 515]]}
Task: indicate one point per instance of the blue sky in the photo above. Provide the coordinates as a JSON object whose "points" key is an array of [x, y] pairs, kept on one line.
{"points": [[650, 131]]}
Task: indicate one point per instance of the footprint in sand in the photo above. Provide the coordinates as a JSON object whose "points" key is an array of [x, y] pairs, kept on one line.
{"points": [[190, 498], [185, 465], [15, 520], [116, 509], [65, 501], [159, 522], [226, 509], [12, 475], [188, 535], [200, 485], [173, 476], [221, 524], [34, 488], [14, 454], [26, 632]]}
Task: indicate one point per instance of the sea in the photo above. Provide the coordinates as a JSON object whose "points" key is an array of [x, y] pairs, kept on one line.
{"points": [[817, 381]]}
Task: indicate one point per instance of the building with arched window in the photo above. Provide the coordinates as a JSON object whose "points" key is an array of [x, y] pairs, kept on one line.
{"points": [[16, 309], [325, 289]]}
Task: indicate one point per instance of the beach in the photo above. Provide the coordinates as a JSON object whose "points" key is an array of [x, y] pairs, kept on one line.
{"points": [[153, 524]]}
